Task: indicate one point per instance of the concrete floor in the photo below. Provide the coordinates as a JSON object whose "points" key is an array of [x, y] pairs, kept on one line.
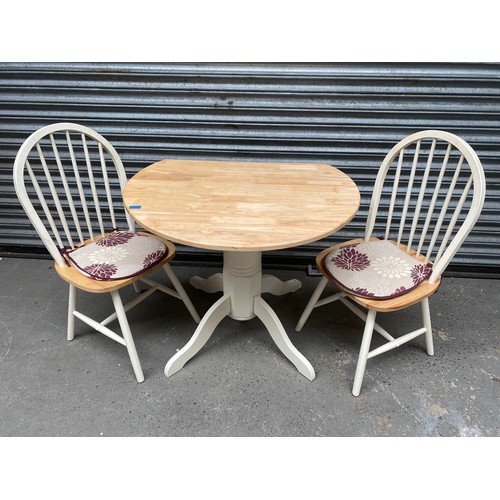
{"points": [[240, 384]]}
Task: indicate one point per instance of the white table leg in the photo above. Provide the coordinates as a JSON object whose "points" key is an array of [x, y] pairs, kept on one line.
{"points": [[242, 283], [212, 284], [205, 329], [272, 284], [275, 328]]}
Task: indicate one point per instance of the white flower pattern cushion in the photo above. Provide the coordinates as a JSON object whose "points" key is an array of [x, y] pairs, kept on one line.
{"points": [[117, 256], [376, 269]]}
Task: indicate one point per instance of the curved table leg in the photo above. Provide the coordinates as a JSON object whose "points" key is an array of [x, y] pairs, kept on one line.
{"points": [[272, 284], [264, 312], [211, 284], [200, 337], [242, 283]]}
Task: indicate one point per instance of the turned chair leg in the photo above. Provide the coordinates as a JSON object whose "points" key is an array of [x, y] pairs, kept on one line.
{"points": [[426, 316], [182, 293], [71, 310], [312, 302], [363, 352], [127, 336]]}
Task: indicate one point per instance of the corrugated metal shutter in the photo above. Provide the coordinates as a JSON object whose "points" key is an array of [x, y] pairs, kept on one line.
{"points": [[347, 115]]}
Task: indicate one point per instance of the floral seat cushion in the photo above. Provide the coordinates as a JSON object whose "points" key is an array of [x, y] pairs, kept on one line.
{"points": [[117, 256], [376, 269]]}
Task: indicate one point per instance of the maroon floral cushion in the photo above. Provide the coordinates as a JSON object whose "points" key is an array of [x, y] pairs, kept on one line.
{"points": [[117, 256], [377, 269]]}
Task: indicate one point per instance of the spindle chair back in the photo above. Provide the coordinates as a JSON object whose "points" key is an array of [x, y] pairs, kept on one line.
{"points": [[435, 187], [69, 180]]}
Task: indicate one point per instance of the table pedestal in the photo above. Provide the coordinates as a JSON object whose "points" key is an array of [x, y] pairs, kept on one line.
{"points": [[242, 284]]}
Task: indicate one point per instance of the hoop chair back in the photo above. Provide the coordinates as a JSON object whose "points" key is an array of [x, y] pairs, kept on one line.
{"points": [[434, 186], [69, 180]]}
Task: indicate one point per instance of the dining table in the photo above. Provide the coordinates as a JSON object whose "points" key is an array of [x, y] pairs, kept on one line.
{"points": [[242, 209]]}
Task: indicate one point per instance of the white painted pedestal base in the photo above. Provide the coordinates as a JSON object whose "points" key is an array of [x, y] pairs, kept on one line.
{"points": [[242, 284]]}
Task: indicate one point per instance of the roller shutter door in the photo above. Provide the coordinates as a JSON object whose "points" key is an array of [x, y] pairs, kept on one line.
{"points": [[347, 115]]}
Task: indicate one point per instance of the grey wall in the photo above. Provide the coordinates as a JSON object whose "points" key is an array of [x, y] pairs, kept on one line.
{"points": [[347, 115]]}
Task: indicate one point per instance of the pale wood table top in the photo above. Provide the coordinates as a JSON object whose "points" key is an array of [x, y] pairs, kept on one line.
{"points": [[241, 206]]}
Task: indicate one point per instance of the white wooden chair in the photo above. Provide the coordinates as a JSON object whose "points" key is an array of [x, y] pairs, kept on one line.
{"points": [[69, 180], [434, 187]]}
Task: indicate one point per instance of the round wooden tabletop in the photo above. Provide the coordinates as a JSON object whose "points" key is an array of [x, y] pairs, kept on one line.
{"points": [[241, 206]]}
